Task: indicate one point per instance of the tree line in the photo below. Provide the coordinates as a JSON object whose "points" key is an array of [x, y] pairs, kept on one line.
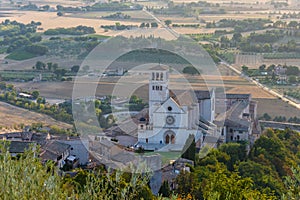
{"points": [[78, 30]]}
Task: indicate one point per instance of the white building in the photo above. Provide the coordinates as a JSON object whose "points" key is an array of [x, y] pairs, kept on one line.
{"points": [[174, 116]]}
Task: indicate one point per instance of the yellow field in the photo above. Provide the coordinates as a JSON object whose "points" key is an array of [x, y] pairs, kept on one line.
{"points": [[51, 20], [12, 115]]}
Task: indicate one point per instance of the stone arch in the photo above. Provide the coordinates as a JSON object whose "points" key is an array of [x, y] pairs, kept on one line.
{"points": [[169, 137]]}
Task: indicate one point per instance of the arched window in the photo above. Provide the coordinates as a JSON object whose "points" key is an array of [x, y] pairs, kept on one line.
{"points": [[153, 76], [161, 76], [172, 139], [167, 139], [147, 140]]}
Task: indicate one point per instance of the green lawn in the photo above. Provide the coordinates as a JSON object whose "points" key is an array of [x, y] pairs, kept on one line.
{"points": [[166, 157]]}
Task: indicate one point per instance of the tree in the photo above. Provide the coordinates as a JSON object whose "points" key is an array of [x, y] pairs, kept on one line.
{"points": [[59, 13], [221, 185], [271, 68], [237, 37], [266, 117], [245, 69], [75, 68], [267, 47], [190, 70], [142, 25], [236, 151], [49, 66], [293, 24], [168, 22], [164, 190], [293, 79], [60, 72], [292, 70], [35, 94], [39, 100], [189, 149], [186, 182], [2, 85], [36, 38], [54, 66], [154, 25], [27, 178], [262, 67], [225, 42], [292, 184], [40, 65], [264, 178]]}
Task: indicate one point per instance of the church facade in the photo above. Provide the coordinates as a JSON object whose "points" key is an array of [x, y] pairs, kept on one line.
{"points": [[172, 118]]}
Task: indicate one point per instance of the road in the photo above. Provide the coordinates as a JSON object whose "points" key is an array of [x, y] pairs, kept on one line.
{"points": [[272, 92], [174, 33]]}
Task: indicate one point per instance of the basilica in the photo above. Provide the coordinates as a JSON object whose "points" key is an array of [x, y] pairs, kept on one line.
{"points": [[174, 115]]}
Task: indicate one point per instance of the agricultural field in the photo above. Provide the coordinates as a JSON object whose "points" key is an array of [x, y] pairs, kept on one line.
{"points": [[12, 115], [27, 64], [25, 75], [255, 60], [135, 16], [275, 107], [232, 83]]}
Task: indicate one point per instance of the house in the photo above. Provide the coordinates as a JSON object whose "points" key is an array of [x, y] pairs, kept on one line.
{"points": [[237, 124], [78, 149], [55, 151], [17, 136], [25, 95], [280, 70], [116, 72], [104, 147], [19, 147], [239, 121]]}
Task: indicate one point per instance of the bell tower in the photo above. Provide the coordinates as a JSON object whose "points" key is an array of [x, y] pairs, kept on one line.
{"points": [[158, 88]]}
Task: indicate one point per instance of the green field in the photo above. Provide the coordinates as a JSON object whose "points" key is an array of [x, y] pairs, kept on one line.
{"points": [[20, 55], [166, 157], [24, 75], [281, 55]]}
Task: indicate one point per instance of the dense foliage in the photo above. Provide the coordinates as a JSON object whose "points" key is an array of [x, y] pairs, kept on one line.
{"points": [[270, 171], [240, 25], [78, 30], [25, 177], [230, 173]]}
